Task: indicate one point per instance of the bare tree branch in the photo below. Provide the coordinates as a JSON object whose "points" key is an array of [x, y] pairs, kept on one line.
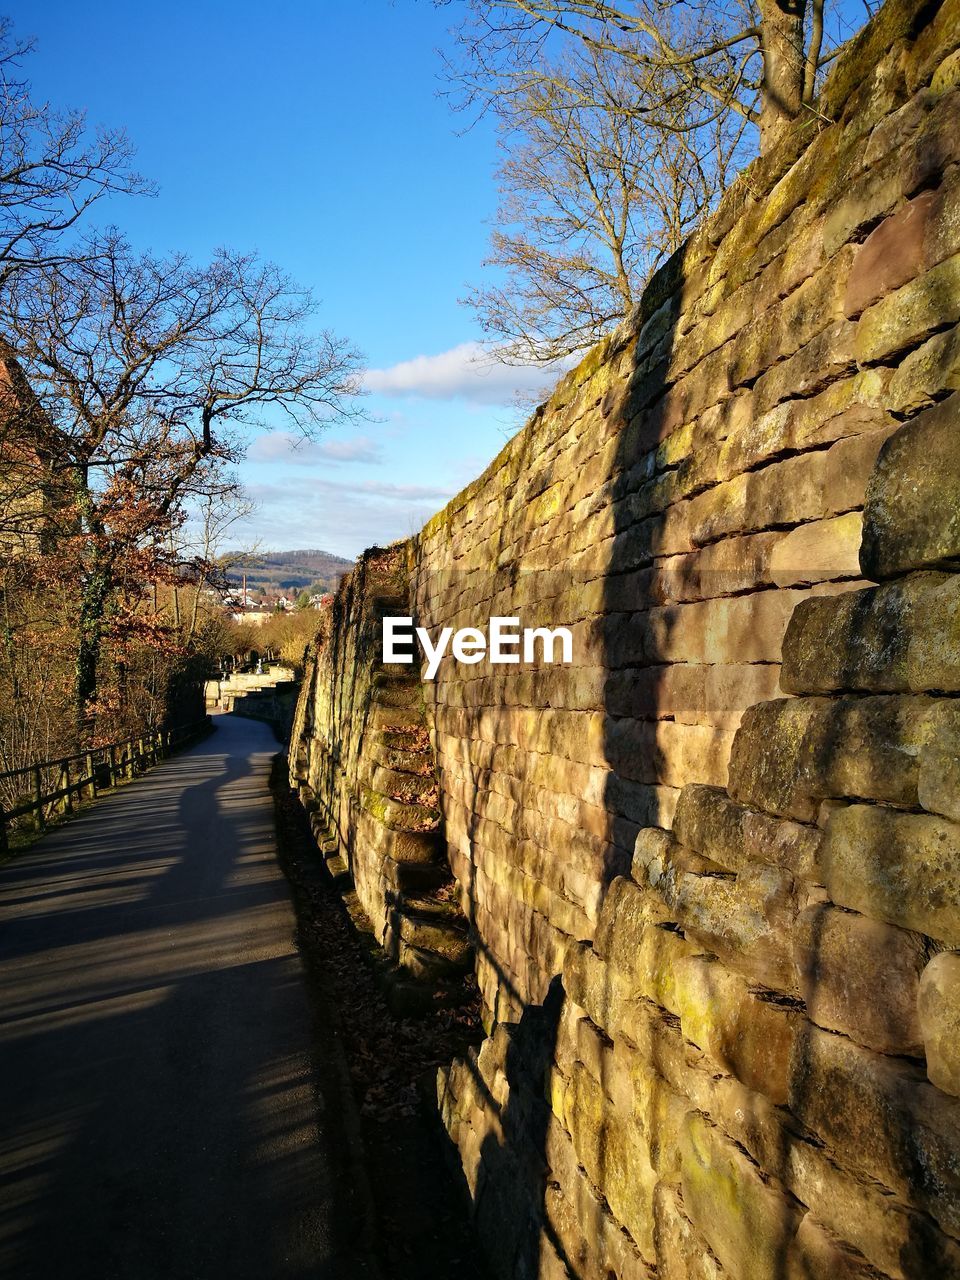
{"points": [[757, 59], [52, 167], [592, 200], [149, 371]]}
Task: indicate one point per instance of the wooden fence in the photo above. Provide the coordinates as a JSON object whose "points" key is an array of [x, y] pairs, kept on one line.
{"points": [[43, 791]]}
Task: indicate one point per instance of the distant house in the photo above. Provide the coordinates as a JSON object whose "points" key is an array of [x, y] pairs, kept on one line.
{"points": [[255, 616], [236, 600]]}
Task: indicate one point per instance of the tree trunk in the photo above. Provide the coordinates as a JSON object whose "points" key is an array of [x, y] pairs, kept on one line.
{"points": [[783, 67], [93, 603]]}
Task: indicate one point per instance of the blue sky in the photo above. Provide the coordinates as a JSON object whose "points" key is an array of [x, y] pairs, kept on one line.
{"points": [[314, 133]]}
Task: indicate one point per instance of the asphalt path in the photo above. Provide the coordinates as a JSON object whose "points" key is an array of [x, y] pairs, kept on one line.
{"points": [[165, 1097]]}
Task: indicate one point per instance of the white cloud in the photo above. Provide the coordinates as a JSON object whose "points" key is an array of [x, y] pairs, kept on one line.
{"points": [[468, 371], [338, 516], [287, 446]]}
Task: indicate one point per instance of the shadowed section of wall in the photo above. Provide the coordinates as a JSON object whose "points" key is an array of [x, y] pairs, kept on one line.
{"points": [[361, 762], [716, 927]]}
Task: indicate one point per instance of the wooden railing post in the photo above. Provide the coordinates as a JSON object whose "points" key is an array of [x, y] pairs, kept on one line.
{"points": [[38, 796], [89, 772]]}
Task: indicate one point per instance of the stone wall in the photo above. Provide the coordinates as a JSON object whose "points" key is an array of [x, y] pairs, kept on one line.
{"points": [[361, 761], [271, 697], [712, 872]]}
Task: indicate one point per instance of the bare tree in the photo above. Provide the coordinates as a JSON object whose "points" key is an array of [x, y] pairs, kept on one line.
{"points": [[150, 370], [53, 167], [593, 199], [620, 125], [757, 59], [202, 562]]}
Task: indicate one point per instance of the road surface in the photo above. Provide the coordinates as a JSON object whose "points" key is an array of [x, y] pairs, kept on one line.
{"points": [[162, 1082]]}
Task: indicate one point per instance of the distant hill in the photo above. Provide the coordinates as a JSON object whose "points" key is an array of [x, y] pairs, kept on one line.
{"points": [[275, 571]]}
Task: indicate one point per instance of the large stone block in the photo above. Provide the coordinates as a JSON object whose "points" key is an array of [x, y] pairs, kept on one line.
{"points": [[939, 1011], [898, 1240], [933, 655], [398, 815], [750, 1034], [861, 640], [745, 919], [927, 372], [898, 128], [912, 513], [902, 868], [938, 787], [388, 717], [819, 551], [747, 1218], [710, 822], [791, 754], [630, 939], [891, 255], [606, 1145], [682, 1252], [401, 845], [861, 977], [765, 763], [880, 1117], [817, 1254], [909, 315]]}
